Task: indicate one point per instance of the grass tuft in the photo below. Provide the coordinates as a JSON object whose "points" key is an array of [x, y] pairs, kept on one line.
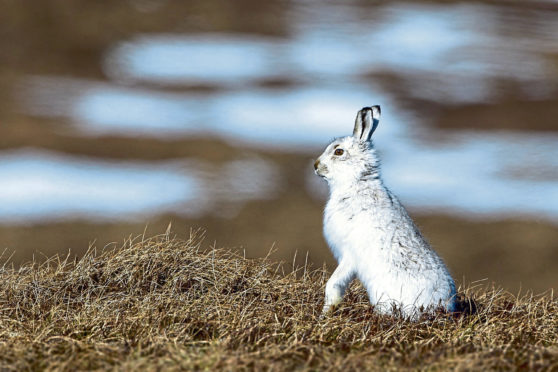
{"points": [[169, 304]]}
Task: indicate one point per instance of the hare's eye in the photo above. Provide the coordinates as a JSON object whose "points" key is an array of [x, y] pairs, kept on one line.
{"points": [[339, 152]]}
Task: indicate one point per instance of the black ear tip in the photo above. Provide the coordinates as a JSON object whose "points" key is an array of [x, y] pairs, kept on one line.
{"points": [[372, 108]]}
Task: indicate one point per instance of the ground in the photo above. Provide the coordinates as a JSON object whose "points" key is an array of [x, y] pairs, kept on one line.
{"points": [[172, 304]]}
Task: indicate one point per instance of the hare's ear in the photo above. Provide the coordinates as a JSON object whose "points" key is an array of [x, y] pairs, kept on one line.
{"points": [[366, 122]]}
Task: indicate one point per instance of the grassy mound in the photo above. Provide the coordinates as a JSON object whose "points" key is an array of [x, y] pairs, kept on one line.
{"points": [[164, 303]]}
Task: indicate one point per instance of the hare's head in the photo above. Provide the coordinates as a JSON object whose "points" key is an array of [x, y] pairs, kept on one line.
{"points": [[349, 159]]}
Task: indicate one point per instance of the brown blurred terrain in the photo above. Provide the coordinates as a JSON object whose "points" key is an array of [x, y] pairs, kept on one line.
{"points": [[69, 39]]}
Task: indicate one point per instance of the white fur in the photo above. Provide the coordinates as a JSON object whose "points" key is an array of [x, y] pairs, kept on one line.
{"points": [[371, 234]]}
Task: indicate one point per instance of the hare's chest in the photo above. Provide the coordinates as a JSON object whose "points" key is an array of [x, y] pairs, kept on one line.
{"points": [[349, 230]]}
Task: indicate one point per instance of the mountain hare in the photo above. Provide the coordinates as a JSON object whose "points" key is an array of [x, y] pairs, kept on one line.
{"points": [[372, 236]]}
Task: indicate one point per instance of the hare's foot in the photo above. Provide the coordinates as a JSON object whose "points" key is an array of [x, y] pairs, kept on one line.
{"points": [[334, 296], [336, 285]]}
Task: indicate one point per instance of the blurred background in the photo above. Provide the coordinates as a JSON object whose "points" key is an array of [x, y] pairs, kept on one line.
{"points": [[120, 117]]}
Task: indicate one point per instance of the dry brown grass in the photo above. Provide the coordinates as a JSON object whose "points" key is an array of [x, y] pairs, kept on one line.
{"points": [[165, 303]]}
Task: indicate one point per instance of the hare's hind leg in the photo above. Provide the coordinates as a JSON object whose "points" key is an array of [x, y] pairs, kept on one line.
{"points": [[337, 285]]}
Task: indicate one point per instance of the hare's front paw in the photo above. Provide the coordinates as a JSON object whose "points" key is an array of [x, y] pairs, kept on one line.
{"points": [[337, 285], [326, 310], [333, 296]]}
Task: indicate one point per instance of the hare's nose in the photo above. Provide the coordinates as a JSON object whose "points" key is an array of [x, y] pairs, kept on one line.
{"points": [[316, 164]]}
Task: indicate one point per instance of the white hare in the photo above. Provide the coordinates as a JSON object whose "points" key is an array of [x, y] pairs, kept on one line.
{"points": [[372, 236]]}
